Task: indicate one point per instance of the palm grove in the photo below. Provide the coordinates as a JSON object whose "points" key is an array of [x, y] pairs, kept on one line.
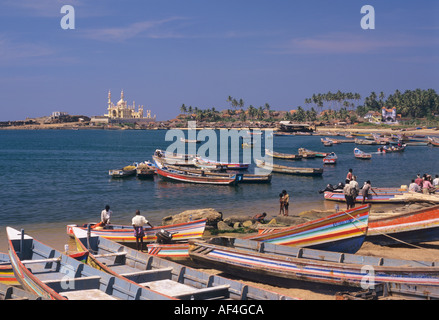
{"points": [[342, 106]]}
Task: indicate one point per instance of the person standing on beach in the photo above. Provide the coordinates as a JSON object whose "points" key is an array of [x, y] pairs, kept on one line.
{"points": [[106, 215], [347, 191], [281, 204], [286, 201], [350, 175], [138, 222]]}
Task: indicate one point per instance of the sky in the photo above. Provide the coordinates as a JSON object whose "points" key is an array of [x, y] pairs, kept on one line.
{"points": [[199, 52]]}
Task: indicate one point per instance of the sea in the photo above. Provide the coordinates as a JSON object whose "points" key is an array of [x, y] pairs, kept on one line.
{"points": [[51, 178]]}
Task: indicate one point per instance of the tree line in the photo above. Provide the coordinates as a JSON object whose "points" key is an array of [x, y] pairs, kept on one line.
{"points": [[339, 105]]}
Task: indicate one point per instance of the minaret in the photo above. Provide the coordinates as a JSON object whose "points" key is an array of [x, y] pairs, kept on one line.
{"points": [[109, 102]]}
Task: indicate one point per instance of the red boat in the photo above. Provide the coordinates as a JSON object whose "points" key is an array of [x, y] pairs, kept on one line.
{"points": [[412, 227]]}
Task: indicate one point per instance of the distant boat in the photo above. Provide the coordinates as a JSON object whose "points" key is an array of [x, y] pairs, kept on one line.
{"points": [[189, 140], [146, 170], [303, 151], [229, 165], [127, 171], [279, 155], [289, 170], [200, 178], [361, 155], [330, 159]]}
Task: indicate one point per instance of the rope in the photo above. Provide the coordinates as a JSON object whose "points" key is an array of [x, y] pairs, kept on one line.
{"points": [[384, 234]]}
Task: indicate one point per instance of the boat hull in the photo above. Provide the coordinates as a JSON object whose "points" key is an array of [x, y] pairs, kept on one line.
{"points": [[413, 227], [181, 232], [340, 232]]}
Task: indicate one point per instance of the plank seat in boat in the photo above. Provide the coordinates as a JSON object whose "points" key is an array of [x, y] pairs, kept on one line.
{"points": [[90, 294]]}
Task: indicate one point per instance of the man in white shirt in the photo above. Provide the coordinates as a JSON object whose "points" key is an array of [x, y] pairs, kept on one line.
{"points": [[436, 181], [106, 215], [138, 222]]}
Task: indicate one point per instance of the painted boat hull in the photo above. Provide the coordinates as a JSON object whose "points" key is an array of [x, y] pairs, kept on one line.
{"points": [[181, 232], [413, 227], [340, 232], [7, 276], [172, 251], [179, 281], [289, 170], [64, 276], [265, 262]]}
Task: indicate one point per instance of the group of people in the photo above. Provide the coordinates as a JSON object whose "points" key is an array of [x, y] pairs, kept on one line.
{"points": [[351, 190], [425, 184], [284, 202], [138, 222]]}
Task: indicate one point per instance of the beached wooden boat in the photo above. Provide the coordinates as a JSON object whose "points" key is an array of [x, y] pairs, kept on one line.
{"points": [[319, 154], [246, 177], [270, 263], [10, 292], [120, 233], [434, 141], [411, 227], [288, 170], [172, 251], [48, 273], [343, 231], [184, 176], [7, 276], [380, 198], [146, 170], [330, 159], [127, 171], [361, 155], [279, 155], [164, 276]]}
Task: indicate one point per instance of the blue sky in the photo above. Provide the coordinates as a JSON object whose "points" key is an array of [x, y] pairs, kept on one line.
{"points": [[198, 52]]}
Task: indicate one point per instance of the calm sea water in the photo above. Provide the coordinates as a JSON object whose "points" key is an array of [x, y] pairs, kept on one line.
{"points": [[59, 177]]}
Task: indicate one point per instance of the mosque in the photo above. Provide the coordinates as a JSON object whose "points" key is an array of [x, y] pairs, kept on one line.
{"points": [[122, 112]]}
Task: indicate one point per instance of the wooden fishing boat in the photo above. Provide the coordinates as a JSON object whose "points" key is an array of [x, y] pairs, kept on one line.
{"points": [[172, 251], [127, 171], [380, 198], [48, 273], [361, 155], [246, 177], [10, 292], [411, 227], [7, 276], [228, 165], [288, 170], [330, 159], [434, 141], [319, 154], [343, 231], [145, 170], [184, 176], [279, 155], [164, 276], [121, 233], [165, 157], [207, 165], [190, 140], [390, 149], [270, 263]]}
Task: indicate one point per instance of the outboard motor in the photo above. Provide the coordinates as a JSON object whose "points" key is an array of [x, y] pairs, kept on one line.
{"points": [[164, 237], [329, 187]]}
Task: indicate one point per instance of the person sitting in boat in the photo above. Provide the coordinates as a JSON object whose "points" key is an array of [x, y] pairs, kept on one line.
{"points": [[260, 217], [138, 222], [366, 189]]}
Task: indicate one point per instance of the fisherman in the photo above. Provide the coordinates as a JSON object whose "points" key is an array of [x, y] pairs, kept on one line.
{"points": [[349, 176], [260, 217], [414, 187], [138, 222], [281, 204], [348, 195], [365, 190], [106, 215]]}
